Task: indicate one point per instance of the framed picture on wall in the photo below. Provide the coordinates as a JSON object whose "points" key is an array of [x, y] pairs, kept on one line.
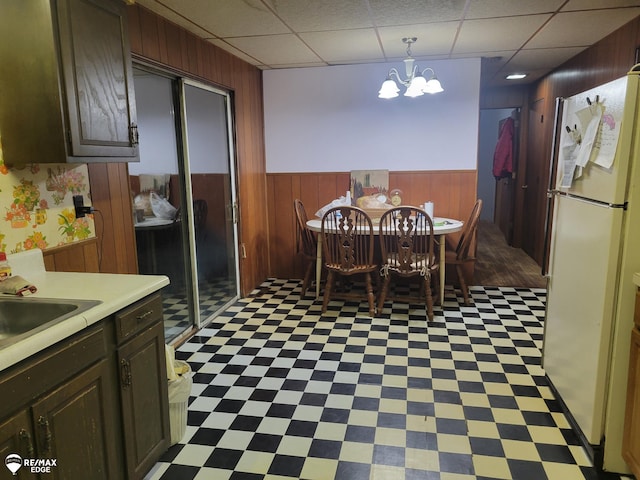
{"points": [[369, 184]]}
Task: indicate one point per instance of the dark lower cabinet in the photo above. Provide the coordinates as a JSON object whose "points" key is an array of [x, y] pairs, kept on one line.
{"points": [[74, 425], [16, 436], [96, 402], [144, 399]]}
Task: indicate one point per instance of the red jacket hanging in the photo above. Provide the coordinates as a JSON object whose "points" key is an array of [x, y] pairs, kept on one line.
{"points": [[503, 156]]}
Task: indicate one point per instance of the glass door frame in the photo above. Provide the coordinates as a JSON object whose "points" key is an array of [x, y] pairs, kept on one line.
{"points": [[188, 189]]}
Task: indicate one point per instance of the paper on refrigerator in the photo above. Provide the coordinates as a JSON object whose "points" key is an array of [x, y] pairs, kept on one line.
{"points": [[589, 118]]}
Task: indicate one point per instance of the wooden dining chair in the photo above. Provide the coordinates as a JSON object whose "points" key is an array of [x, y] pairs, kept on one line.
{"points": [[347, 245], [462, 254], [306, 244], [407, 250]]}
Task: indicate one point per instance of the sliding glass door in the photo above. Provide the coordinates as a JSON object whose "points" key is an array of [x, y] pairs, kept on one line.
{"points": [[184, 196], [208, 150]]}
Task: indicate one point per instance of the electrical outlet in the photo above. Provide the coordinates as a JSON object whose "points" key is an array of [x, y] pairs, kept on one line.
{"points": [[81, 210]]}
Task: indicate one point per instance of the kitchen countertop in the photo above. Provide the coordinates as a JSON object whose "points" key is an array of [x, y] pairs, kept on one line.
{"points": [[115, 291], [636, 279]]}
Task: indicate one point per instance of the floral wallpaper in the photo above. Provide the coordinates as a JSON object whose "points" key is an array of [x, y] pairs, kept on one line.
{"points": [[36, 206]]}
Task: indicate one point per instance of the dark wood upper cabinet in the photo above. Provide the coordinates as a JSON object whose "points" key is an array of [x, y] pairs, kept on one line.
{"points": [[66, 82], [98, 79]]}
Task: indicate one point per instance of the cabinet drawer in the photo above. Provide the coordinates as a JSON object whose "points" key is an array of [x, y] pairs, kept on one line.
{"points": [[636, 315], [138, 316]]}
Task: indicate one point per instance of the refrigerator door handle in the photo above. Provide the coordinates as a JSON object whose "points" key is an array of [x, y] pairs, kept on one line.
{"points": [[550, 192], [592, 201]]}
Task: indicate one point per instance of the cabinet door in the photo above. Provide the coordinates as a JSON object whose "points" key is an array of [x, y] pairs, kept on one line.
{"points": [[16, 437], [73, 424], [144, 397], [631, 439], [98, 78]]}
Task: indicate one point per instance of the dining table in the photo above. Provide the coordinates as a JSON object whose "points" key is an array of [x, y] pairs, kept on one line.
{"points": [[441, 227], [153, 242]]}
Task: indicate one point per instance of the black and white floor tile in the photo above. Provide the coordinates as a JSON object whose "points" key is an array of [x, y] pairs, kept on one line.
{"points": [[213, 295], [281, 391]]}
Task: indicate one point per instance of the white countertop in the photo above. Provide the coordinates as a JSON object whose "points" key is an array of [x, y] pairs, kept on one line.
{"points": [[115, 291]]}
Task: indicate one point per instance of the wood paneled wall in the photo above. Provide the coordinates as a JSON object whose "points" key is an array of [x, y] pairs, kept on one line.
{"points": [[159, 42], [453, 193], [609, 59], [111, 197], [76, 257]]}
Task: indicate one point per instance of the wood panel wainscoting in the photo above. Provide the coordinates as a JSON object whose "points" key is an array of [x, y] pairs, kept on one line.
{"points": [[79, 256], [453, 193]]}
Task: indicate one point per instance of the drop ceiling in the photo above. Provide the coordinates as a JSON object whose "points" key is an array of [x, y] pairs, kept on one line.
{"points": [[530, 36]]}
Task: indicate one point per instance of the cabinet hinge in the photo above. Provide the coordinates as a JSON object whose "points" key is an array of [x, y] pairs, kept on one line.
{"points": [[133, 134]]}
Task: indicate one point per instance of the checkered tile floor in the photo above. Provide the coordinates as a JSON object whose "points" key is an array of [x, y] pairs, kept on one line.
{"points": [[283, 392], [213, 295]]}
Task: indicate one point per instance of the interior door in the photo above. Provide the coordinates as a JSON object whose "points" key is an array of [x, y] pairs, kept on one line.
{"points": [[534, 184], [505, 187]]}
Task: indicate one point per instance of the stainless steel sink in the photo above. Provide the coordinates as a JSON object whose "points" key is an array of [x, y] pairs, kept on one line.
{"points": [[21, 317]]}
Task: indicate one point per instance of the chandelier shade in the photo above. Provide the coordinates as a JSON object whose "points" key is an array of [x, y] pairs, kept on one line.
{"points": [[416, 84]]}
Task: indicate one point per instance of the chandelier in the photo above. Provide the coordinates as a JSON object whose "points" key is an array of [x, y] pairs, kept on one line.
{"points": [[416, 83]]}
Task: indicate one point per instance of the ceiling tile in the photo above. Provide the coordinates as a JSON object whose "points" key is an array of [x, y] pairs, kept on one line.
{"points": [[593, 4], [344, 45], [491, 59], [433, 39], [223, 44], [314, 16], [230, 18], [529, 60], [507, 33], [404, 12], [596, 24], [508, 8], [275, 49], [174, 17], [299, 33]]}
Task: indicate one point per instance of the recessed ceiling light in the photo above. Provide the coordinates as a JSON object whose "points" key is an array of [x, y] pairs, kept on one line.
{"points": [[515, 76]]}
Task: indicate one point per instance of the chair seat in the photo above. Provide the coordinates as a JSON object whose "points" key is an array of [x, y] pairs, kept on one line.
{"points": [[416, 267], [353, 270]]}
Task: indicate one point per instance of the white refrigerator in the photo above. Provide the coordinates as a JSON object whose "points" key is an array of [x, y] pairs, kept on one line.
{"points": [[594, 250]]}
